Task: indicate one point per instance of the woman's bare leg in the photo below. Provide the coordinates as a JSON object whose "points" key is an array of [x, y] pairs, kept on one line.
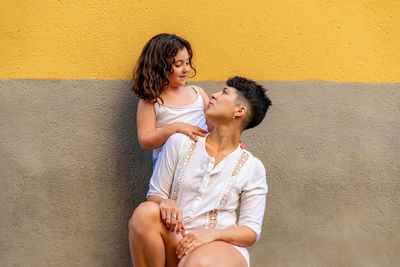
{"points": [[217, 253], [151, 244]]}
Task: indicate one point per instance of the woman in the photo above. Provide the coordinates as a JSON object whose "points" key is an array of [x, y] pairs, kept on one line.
{"points": [[189, 218]]}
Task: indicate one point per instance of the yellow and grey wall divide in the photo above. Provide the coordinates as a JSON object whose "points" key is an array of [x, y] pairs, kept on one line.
{"points": [[72, 171]]}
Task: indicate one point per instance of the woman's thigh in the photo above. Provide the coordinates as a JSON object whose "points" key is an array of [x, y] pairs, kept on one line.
{"points": [[217, 253]]}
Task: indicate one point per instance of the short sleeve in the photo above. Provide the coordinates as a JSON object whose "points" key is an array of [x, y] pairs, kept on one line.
{"points": [[253, 197], [163, 174]]}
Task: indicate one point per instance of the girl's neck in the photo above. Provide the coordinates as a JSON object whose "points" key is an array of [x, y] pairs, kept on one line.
{"points": [[171, 91], [172, 88]]}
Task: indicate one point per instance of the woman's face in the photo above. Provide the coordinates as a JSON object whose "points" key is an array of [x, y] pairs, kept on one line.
{"points": [[181, 69], [222, 105]]}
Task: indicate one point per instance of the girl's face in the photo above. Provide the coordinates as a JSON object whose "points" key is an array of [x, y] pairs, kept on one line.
{"points": [[180, 69], [222, 105]]}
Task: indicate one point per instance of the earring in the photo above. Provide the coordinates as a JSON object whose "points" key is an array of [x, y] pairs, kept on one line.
{"points": [[233, 117]]}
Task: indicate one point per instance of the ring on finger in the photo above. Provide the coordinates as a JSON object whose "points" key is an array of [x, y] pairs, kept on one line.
{"points": [[174, 216]]}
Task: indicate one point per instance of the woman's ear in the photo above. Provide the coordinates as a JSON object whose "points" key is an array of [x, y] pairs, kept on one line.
{"points": [[241, 111]]}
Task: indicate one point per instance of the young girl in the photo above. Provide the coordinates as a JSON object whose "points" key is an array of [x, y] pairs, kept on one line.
{"points": [[167, 104]]}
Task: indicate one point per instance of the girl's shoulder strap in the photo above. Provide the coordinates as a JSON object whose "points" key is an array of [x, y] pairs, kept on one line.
{"points": [[195, 88]]}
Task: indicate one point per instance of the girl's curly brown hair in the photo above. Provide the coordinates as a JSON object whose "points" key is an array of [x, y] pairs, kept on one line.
{"points": [[154, 65]]}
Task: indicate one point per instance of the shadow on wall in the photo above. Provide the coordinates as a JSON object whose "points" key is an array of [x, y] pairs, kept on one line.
{"points": [[133, 162]]}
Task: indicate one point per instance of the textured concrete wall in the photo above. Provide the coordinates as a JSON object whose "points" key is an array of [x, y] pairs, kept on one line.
{"points": [[72, 173]]}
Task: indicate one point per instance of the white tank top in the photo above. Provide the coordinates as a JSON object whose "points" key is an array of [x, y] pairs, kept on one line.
{"points": [[192, 114]]}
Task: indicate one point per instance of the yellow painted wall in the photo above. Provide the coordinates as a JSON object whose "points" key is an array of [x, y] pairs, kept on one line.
{"points": [[337, 40]]}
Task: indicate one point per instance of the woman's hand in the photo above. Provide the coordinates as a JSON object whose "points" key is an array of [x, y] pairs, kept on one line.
{"points": [[191, 241], [171, 215], [189, 130]]}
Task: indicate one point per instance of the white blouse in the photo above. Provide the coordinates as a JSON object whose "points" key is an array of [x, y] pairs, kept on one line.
{"points": [[209, 196]]}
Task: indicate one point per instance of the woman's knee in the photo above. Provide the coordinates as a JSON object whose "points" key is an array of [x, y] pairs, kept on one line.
{"points": [[144, 215]]}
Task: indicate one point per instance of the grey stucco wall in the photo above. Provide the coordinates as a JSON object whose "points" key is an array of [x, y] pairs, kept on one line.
{"points": [[72, 173]]}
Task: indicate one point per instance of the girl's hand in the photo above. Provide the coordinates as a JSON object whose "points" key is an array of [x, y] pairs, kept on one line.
{"points": [[189, 130], [191, 241], [171, 215]]}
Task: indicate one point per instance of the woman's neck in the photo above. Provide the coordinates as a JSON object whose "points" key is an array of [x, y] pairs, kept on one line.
{"points": [[223, 140]]}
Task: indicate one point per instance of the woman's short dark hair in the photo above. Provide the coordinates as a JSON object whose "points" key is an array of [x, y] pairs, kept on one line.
{"points": [[154, 65], [254, 95]]}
